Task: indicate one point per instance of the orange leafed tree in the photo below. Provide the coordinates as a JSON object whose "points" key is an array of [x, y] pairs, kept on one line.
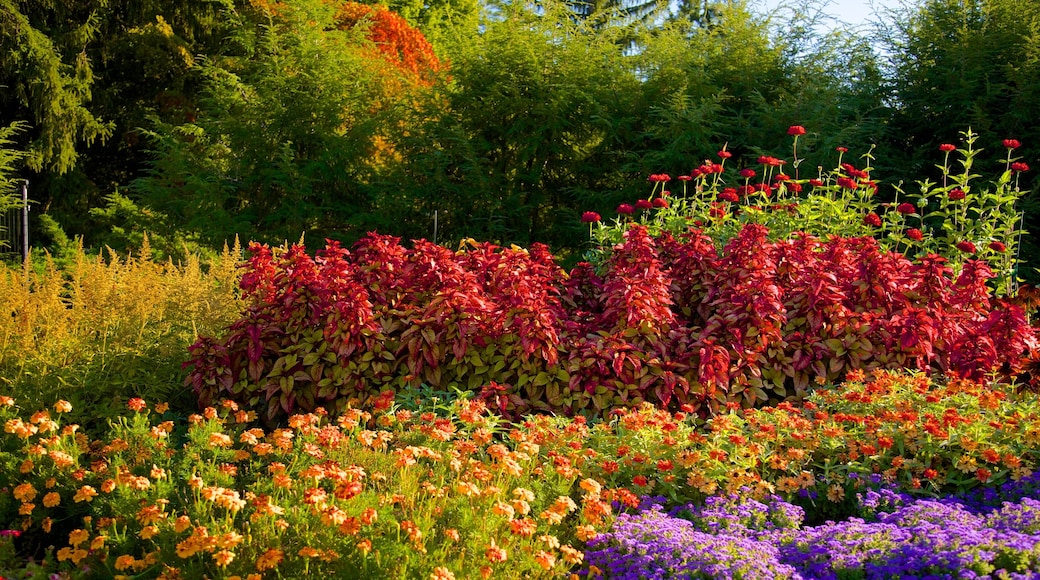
{"points": [[397, 41]]}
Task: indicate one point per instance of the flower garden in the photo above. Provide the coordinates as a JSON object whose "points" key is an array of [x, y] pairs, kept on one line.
{"points": [[755, 374]]}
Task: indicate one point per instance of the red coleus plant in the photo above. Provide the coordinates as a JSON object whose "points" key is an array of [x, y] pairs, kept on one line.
{"points": [[670, 321]]}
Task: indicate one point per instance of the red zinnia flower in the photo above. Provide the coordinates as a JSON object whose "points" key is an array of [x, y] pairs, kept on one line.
{"points": [[906, 208], [590, 217], [1019, 166], [796, 130], [872, 219], [957, 194], [659, 177], [795, 187], [997, 246], [747, 173], [815, 183], [625, 209], [915, 234], [842, 149], [684, 177], [643, 204], [947, 147], [782, 177], [847, 183], [660, 202], [729, 194], [966, 246], [1012, 143], [725, 154]]}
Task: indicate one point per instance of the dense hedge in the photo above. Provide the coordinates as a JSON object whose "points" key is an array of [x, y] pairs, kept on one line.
{"points": [[669, 321]]}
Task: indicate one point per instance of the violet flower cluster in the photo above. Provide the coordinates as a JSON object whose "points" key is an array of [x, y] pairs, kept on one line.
{"points": [[988, 534]]}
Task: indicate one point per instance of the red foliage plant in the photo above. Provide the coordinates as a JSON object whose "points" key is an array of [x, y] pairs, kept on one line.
{"points": [[671, 321]]}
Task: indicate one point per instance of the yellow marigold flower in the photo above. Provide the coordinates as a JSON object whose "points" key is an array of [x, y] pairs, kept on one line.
{"points": [[551, 542], [148, 532], [521, 507], [181, 523], [835, 493], [77, 537], [157, 472], [523, 494], [585, 533], [452, 534], [269, 559], [161, 408], [51, 499], [364, 546], [85, 493], [98, 542], [501, 508], [442, 573], [108, 485], [26, 509], [220, 440], [223, 558], [26, 466], [571, 555], [563, 505], [46, 525], [591, 486], [24, 492], [125, 562], [189, 547], [62, 406]]}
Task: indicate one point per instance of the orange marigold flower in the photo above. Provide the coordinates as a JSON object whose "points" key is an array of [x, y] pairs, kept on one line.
{"points": [[270, 559], [77, 537], [137, 404], [523, 527], [545, 560], [24, 492], [495, 554], [364, 546], [62, 406], [571, 555], [442, 573]]}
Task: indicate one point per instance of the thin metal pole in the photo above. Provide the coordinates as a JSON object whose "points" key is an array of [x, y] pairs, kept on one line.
{"points": [[25, 220]]}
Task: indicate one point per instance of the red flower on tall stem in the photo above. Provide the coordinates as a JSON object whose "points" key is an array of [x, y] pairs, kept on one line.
{"points": [[1012, 143], [947, 147], [966, 246], [915, 234], [1019, 166], [796, 130], [872, 219], [590, 217]]}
